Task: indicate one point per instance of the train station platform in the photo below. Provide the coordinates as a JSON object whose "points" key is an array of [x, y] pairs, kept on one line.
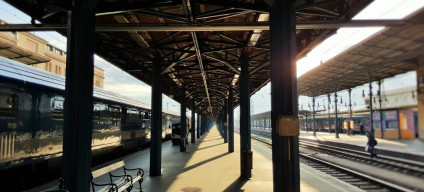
{"points": [[405, 149], [208, 167]]}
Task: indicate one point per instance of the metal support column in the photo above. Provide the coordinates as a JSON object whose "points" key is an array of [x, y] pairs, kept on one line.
{"points": [[350, 129], [230, 121], [198, 125], [329, 120], [203, 130], [193, 123], [371, 112], [183, 121], [350, 102], [381, 109], [336, 126], [285, 146], [78, 114], [225, 127], [245, 145], [156, 121], [202, 124], [313, 116]]}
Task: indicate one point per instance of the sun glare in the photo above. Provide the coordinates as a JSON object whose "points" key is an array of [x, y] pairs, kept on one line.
{"points": [[346, 38]]}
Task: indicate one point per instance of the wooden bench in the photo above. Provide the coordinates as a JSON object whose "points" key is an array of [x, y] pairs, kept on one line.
{"points": [[118, 183]]}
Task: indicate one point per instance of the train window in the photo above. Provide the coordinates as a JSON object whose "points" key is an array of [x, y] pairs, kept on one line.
{"points": [[97, 107], [140, 115], [124, 115], [57, 108], [8, 105], [115, 115]]}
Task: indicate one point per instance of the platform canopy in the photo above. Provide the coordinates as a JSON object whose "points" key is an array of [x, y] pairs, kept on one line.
{"points": [[392, 51], [201, 42]]}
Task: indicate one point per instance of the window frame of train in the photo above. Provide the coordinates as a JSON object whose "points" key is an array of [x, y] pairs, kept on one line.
{"points": [[56, 107], [11, 101], [98, 109], [115, 114]]}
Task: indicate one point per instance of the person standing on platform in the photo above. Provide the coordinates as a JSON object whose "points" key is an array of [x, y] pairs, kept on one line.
{"points": [[371, 144]]}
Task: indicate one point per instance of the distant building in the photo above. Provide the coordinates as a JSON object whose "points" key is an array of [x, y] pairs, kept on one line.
{"points": [[29, 49]]}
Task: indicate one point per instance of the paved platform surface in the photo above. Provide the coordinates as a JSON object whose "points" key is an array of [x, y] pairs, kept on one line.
{"points": [[208, 167], [411, 147]]}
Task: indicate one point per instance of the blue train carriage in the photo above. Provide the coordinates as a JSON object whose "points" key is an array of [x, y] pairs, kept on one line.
{"points": [[176, 125], [31, 120]]}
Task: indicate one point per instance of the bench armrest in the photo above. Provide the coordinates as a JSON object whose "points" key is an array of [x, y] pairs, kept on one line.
{"points": [[139, 171], [114, 187]]}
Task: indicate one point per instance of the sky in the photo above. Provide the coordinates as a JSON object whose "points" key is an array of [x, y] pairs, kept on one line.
{"points": [[120, 82]]}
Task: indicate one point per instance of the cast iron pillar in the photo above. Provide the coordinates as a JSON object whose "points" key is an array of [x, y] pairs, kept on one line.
{"points": [[245, 145], [313, 116], [183, 121], [336, 126], [350, 103], [329, 120], [230, 121], [202, 122], [225, 121], [381, 109], [198, 125], [193, 122], [419, 96], [156, 120], [285, 145], [371, 112], [79, 96]]}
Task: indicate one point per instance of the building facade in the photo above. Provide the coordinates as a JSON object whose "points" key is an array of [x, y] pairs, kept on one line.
{"points": [[29, 49]]}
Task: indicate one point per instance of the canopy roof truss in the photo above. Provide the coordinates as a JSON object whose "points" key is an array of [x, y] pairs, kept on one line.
{"points": [[205, 62]]}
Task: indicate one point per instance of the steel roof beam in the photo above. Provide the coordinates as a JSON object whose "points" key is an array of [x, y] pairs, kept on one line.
{"points": [[153, 44], [168, 16], [225, 63], [228, 16], [183, 57], [364, 70], [118, 8], [219, 14], [190, 18], [203, 27], [264, 8], [260, 67]]}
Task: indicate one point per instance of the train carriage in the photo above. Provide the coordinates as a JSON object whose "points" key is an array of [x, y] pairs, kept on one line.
{"points": [[31, 120]]}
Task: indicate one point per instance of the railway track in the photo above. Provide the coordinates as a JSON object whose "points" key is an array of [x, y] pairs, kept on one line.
{"points": [[360, 180], [390, 163]]}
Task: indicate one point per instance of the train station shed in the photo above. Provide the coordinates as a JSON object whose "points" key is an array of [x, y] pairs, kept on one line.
{"points": [[209, 55]]}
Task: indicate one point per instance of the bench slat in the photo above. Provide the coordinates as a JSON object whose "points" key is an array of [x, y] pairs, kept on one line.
{"points": [[136, 178], [121, 183], [107, 169]]}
